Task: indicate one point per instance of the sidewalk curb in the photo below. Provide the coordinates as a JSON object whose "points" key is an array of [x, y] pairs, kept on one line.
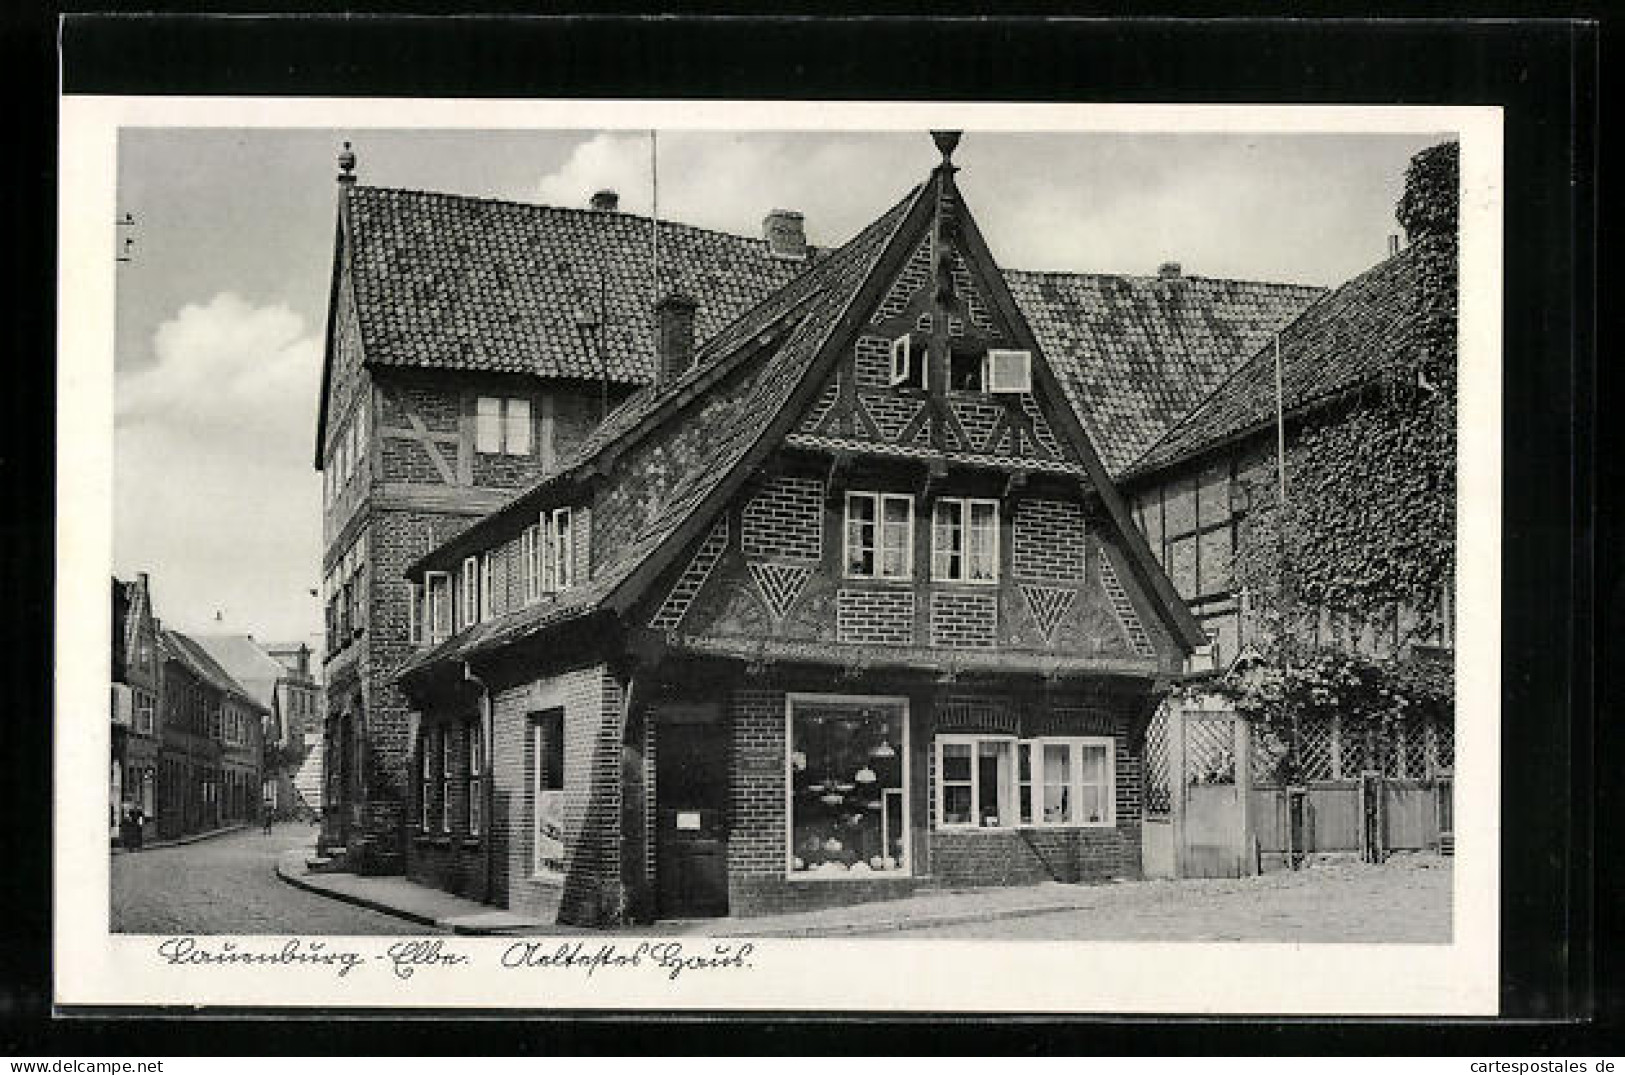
{"points": [[182, 841], [903, 925], [303, 882]]}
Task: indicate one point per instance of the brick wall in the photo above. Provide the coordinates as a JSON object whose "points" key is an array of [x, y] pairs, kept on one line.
{"points": [[909, 281], [875, 617], [964, 620], [1049, 540], [589, 890], [871, 362], [785, 520]]}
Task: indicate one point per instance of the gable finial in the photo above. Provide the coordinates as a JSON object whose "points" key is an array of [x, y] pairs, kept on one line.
{"points": [[947, 142], [346, 164]]}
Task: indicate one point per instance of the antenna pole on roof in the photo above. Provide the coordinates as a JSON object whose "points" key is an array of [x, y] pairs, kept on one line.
{"points": [[654, 211]]}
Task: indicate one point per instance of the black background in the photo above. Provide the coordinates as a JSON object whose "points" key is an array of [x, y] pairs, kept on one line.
{"points": [[1544, 74]]}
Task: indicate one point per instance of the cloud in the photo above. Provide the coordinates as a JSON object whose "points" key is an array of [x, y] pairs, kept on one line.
{"points": [[214, 494]]}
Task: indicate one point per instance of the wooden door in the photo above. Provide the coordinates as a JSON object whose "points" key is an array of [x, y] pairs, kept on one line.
{"points": [[691, 841]]}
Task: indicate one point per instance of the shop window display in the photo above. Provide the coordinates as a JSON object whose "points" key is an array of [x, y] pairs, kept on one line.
{"points": [[847, 775]]}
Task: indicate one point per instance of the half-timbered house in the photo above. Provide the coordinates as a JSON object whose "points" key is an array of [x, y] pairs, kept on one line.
{"points": [[843, 605]]}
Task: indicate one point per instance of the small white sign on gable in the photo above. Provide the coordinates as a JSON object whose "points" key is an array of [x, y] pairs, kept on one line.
{"points": [[1009, 371]]}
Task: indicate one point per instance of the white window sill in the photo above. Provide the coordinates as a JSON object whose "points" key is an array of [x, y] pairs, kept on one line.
{"points": [[890, 580], [1031, 826], [980, 583]]}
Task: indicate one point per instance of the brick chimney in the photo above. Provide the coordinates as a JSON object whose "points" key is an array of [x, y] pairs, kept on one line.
{"points": [[786, 234], [606, 201], [1169, 270], [674, 335]]}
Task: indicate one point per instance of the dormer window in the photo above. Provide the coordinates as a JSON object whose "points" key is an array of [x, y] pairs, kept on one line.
{"points": [[908, 363], [967, 370], [1009, 372]]}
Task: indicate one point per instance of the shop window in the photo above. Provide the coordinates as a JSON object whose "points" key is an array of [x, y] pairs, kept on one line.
{"points": [[848, 777], [1000, 782], [965, 540], [879, 536], [502, 426], [548, 776]]}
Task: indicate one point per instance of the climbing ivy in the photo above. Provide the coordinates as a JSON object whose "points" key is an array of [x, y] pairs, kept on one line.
{"points": [[1371, 508]]}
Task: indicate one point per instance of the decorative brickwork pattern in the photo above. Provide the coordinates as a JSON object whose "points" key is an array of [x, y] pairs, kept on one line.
{"points": [[1041, 427], [871, 362], [920, 449], [908, 283], [924, 322], [1049, 541], [890, 411], [785, 520], [672, 610], [825, 403], [1048, 605], [966, 288], [875, 617], [964, 620], [780, 584], [978, 420], [1124, 608]]}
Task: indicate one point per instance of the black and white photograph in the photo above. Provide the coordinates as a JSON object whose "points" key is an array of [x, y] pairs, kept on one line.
{"points": [[746, 538]]}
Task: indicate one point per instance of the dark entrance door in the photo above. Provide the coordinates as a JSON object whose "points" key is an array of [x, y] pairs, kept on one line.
{"points": [[691, 792]]}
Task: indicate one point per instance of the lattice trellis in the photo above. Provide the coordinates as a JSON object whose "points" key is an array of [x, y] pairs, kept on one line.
{"points": [[1409, 757], [1269, 751], [1444, 746], [1315, 750], [1158, 786], [1210, 750]]}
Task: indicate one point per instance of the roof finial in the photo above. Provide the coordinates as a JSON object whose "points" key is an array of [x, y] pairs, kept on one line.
{"points": [[346, 164], [947, 142]]}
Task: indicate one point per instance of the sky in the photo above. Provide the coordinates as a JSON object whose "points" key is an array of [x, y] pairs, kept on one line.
{"points": [[222, 305]]}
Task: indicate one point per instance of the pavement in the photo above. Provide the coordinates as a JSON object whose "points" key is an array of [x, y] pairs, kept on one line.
{"points": [[226, 884], [1333, 901], [182, 841]]}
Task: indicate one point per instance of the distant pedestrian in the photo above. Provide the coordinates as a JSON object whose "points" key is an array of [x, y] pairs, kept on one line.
{"points": [[134, 820], [267, 811]]}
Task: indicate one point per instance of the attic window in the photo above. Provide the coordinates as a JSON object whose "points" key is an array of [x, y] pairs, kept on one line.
{"points": [[967, 370], [905, 372], [1009, 372]]}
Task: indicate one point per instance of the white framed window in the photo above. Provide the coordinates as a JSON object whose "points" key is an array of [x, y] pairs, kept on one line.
{"points": [[997, 781], [502, 426], [562, 549], [476, 769], [547, 786], [965, 540], [530, 563], [414, 624], [468, 595], [1009, 371], [487, 590], [425, 784], [448, 767], [907, 369], [437, 610], [879, 541]]}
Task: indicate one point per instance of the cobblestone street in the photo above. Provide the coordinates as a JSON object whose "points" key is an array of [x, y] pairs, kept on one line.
{"points": [[228, 884]]}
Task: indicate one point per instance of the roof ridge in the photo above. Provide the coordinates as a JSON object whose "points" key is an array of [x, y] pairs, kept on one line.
{"points": [[607, 214], [1153, 278]]}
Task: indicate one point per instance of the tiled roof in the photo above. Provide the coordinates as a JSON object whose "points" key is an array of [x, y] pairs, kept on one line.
{"points": [[1350, 337], [455, 282], [1135, 354], [190, 653], [246, 663], [748, 403]]}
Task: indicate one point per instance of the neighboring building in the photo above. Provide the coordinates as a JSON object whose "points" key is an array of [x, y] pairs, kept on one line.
{"points": [[210, 761], [137, 685], [291, 699], [1193, 487], [473, 346], [299, 699], [844, 606]]}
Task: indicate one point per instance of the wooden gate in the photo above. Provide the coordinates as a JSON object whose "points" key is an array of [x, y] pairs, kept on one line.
{"points": [[1197, 811]]}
